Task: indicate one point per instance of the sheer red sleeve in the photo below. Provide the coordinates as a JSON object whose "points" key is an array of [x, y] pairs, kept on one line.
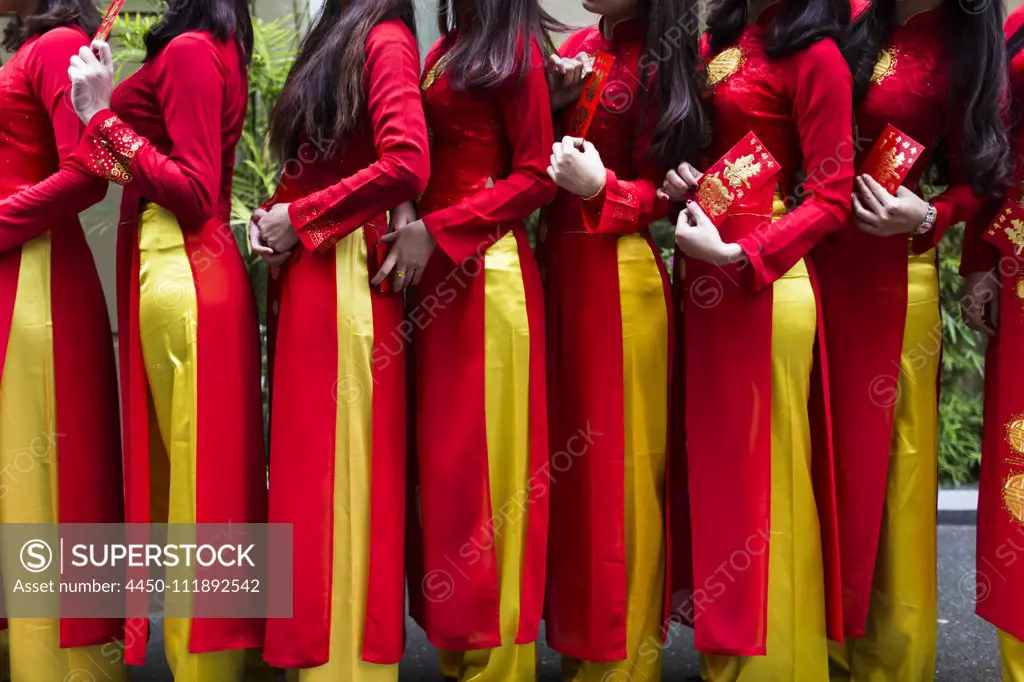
{"points": [[190, 89], [400, 134], [33, 211], [469, 227], [823, 108]]}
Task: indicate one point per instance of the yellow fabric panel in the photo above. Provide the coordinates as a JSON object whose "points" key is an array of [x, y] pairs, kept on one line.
{"points": [[1011, 652], [353, 457], [168, 325], [899, 643], [507, 406], [796, 584], [28, 458], [645, 380]]}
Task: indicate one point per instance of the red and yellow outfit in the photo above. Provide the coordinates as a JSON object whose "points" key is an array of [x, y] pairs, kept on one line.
{"points": [[609, 330], [338, 417], [764, 546], [1000, 575], [59, 444], [884, 393], [190, 367], [480, 409]]}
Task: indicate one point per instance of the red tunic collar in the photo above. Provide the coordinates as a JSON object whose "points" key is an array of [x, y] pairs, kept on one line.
{"points": [[625, 30]]}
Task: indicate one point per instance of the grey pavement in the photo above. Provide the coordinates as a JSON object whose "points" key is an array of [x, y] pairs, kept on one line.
{"points": [[967, 645]]}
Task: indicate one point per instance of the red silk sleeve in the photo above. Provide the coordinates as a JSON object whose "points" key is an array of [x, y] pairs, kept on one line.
{"points": [[35, 210], [628, 206], [395, 104], [822, 90], [469, 227], [959, 202], [190, 90]]}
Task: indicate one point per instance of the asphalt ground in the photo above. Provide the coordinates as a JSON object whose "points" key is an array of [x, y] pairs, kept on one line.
{"points": [[967, 645]]}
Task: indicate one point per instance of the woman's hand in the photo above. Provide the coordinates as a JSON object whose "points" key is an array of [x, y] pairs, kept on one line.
{"points": [[269, 256], [980, 302], [402, 215], [679, 183], [92, 80], [879, 213], [566, 78], [579, 172], [277, 230], [411, 247], [697, 237]]}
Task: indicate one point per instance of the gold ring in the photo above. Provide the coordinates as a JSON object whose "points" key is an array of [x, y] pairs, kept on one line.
{"points": [[400, 273]]}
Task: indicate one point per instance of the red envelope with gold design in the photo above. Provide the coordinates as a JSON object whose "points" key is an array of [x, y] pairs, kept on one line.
{"points": [[746, 167], [591, 95], [891, 159], [107, 25], [1007, 230]]}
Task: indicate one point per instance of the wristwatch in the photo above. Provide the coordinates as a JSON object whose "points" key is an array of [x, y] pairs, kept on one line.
{"points": [[928, 223]]}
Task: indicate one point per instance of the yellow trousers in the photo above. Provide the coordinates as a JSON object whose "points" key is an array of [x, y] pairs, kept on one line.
{"points": [[1011, 651], [899, 642], [507, 404], [168, 323], [797, 645], [28, 460]]}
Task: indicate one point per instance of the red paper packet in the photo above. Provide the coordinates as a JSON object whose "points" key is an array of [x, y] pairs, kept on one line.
{"points": [[1007, 230], [107, 25], [890, 160], [583, 116], [746, 167]]}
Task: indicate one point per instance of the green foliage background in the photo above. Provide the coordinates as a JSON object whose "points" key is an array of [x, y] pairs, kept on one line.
{"points": [[960, 413]]}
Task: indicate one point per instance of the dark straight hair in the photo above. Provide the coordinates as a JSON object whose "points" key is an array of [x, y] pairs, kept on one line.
{"points": [[677, 81], [798, 24], [975, 42], [224, 19], [490, 39], [323, 96], [50, 14]]}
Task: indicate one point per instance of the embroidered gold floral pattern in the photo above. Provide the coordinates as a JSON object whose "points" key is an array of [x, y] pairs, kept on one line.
{"points": [[714, 196], [1020, 289], [724, 64], [112, 152], [1015, 233], [1015, 434], [885, 66], [1013, 497], [891, 162], [436, 71]]}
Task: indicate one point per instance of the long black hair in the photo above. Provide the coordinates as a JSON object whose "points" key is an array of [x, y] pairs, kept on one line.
{"points": [[50, 14], [323, 96], [798, 25], [677, 82], [491, 38], [973, 34], [225, 19]]}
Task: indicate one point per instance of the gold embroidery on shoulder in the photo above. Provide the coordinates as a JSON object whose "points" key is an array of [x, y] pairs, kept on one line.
{"points": [[435, 72], [1013, 497], [885, 66], [724, 64]]}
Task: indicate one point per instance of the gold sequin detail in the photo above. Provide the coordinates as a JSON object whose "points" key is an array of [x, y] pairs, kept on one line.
{"points": [[435, 72], [885, 66], [1013, 497], [724, 64], [114, 150]]}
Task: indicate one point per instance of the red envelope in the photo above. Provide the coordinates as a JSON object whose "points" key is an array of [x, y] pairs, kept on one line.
{"points": [[591, 95], [890, 160], [1007, 230], [746, 167], [107, 25]]}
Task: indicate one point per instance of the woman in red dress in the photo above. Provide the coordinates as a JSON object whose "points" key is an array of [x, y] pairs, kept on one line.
{"points": [[477, 317], [190, 366], [610, 340], [350, 126], [59, 445], [764, 546], [933, 70], [994, 304]]}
